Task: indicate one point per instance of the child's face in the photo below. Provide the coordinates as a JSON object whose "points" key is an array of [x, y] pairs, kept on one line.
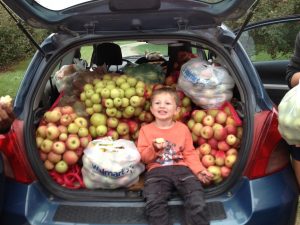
{"points": [[164, 107]]}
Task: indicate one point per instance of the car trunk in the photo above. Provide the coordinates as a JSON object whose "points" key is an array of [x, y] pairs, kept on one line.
{"points": [[48, 97]]}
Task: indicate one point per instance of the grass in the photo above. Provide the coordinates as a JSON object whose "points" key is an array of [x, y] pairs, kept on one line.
{"points": [[10, 80]]}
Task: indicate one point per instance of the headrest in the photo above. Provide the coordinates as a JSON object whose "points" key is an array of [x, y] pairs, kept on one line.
{"points": [[108, 53]]}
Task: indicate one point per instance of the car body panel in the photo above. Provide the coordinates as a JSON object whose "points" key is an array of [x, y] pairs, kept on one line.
{"points": [[96, 16], [248, 202]]}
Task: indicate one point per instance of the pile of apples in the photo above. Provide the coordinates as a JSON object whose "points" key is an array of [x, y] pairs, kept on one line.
{"points": [[61, 137], [217, 136]]}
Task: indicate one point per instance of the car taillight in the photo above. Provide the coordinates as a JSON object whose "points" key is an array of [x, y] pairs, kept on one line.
{"points": [[12, 146], [269, 152]]}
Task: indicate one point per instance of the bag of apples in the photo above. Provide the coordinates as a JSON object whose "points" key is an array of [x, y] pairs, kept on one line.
{"points": [[289, 116], [111, 164], [208, 85]]}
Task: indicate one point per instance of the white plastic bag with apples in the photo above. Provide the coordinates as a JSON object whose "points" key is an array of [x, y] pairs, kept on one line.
{"points": [[289, 116], [208, 85], [110, 164]]}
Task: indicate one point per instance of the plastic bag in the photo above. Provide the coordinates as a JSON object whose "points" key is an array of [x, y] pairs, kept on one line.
{"points": [[289, 116], [208, 86], [111, 164]]}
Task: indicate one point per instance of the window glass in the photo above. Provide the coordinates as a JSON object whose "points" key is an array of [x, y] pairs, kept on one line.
{"points": [[59, 4], [270, 42]]}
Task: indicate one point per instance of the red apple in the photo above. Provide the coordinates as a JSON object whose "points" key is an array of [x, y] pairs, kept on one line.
{"points": [[223, 146], [225, 171], [196, 129], [133, 126], [220, 134], [208, 160], [213, 143], [232, 151], [54, 157], [205, 149], [42, 131], [46, 145], [208, 120], [220, 158], [66, 119], [201, 140], [221, 117], [48, 165], [67, 109], [207, 132], [231, 129], [231, 139], [70, 157]]}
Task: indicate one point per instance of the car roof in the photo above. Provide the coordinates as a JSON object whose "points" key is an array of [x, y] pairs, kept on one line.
{"points": [[94, 16]]}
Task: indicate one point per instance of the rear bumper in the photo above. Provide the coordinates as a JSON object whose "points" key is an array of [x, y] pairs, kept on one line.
{"points": [[269, 200]]}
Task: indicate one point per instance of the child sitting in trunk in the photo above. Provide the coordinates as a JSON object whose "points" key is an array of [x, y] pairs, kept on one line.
{"points": [[166, 147]]}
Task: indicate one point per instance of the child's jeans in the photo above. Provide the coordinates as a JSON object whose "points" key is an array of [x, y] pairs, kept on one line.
{"points": [[161, 182]]}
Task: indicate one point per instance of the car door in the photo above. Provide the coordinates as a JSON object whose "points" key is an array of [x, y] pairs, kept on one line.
{"points": [[270, 45]]}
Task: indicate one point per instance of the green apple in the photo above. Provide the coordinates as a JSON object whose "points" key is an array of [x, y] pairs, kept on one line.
{"points": [[140, 91], [88, 87], [98, 119], [83, 132], [61, 167], [114, 93], [101, 130], [130, 92], [81, 121], [125, 102], [108, 103], [117, 102], [122, 128], [135, 101], [125, 86], [96, 108], [105, 93], [140, 84], [96, 81], [73, 128], [128, 111], [95, 98], [88, 103], [92, 131], [82, 96], [89, 110], [89, 93], [111, 112], [132, 81], [120, 80], [112, 122], [100, 85]]}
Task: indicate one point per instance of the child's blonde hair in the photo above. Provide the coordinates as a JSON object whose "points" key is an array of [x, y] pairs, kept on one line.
{"points": [[166, 89]]}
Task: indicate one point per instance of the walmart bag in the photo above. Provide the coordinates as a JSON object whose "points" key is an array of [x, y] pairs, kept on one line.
{"points": [[111, 164]]}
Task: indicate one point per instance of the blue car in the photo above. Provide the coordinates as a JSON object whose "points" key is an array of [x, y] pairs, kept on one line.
{"points": [[91, 45]]}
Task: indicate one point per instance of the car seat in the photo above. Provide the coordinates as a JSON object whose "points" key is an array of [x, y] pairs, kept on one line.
{"points": [[107, 54]]}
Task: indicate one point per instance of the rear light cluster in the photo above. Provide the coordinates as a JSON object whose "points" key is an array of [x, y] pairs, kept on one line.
{"points": [[269, 152], [15, 158]]}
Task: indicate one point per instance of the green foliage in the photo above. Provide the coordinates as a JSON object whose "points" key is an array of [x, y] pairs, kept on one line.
{"points": [[14, 45]]}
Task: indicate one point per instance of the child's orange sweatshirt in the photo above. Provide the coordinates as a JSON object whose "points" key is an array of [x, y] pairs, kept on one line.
{"points": [[179, 151]]}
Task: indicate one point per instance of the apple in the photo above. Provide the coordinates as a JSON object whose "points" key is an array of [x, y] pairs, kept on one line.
{"points": [[213, 112], [98, 119], [197, 128], [220, 133], [140, 84], [54, 116], [232, 151], [114, 93], [120, 80], [225, 171], [132, 81], [84, 141], [198, 115], [105, 93], [231, 129], [95, 98], [62, 129], [46, 145], [125, 86], [108, 103], [82, 96], [72, 142], [70, 158], [89, 93], [54, 157], [201, 141], [133, 126], [129, 92], [61, 167], [137, 111], [101, 130], [135, 101], [88, 103], [204, 149], [220, 158], [88, 87], [125, 102], [208, 120], [73, 128], [63, 137], [117, 102], [186, 101], [128, 111], [208, 160], [97, 108], [239, 132], [223, 146], [140, 91], [148, 117], [221, 117], [48, 165], [230, 120], [43, 156], [190, 123], [230, 160], [58, 147], [90, 110], [122, 128], [83, 132], [42, 131], [215, 171], [52, 132], [170, 80], [113, 133], [231, 139], [207, 132], [213, 143], [112, 122], [81, 121], [111, 112], [92, 131], [39, 140]]}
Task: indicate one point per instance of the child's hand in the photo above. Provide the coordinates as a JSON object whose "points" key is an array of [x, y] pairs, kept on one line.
{"points": [[6, 113], [205, 177], [159, 144]]}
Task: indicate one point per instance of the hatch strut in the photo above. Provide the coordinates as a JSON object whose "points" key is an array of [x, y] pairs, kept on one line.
{"points": [[249, 16], [22, 28]]}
